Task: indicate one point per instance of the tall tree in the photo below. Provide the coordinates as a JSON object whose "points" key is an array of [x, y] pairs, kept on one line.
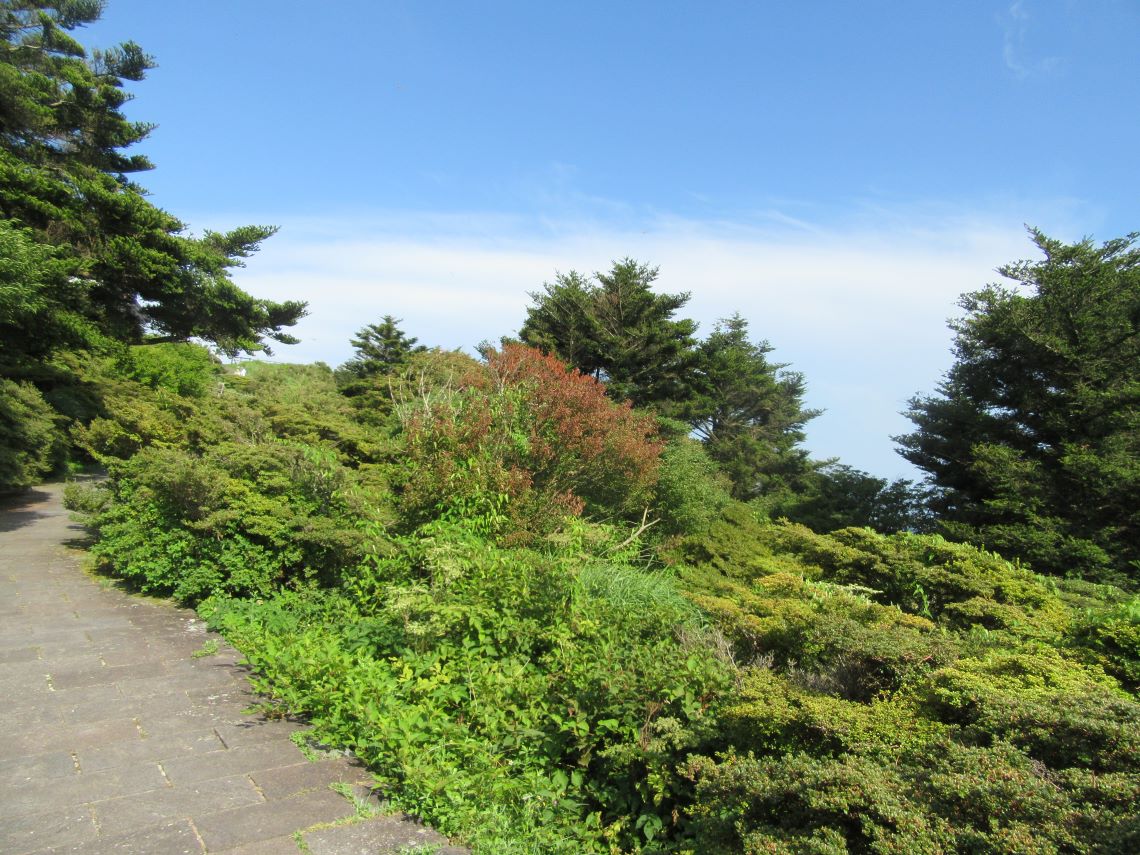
{"points": [[617, 330], [63, 176], [381, 348], [37, 301], [749, 412], [1033, 440]]}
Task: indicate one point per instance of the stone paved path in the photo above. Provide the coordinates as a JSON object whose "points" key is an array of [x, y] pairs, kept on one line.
{"points": [[116, 738]]}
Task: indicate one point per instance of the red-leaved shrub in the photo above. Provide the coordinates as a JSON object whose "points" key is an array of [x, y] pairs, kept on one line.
{"points": [[524, 442]]}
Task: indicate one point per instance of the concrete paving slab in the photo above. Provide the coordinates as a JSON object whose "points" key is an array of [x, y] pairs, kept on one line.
{"points": [[177, 838], [57, 660], [239, 694], [43, 712], [71, 738], [19, 654], [58, 827], [112, 653], [285, 781], [231, 828], [25, 685], [194, 718], [150, 749], [253, 731], [221, 764], [38, 767], [381, 836], [98, 674], [284, 845], [167, 683], [142, 810], [136, 709], [25, 797]]}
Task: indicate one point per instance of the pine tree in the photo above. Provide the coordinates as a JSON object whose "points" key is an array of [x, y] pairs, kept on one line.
{"points": [[64, 179], [380, 349], [749, 412], [617, 330], [1033, 440]]}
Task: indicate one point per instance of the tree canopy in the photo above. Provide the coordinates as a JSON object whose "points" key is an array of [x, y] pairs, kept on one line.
{"points": [[617, 330], [131, 272], [748, 411], [380, 349], [1033, 439]]}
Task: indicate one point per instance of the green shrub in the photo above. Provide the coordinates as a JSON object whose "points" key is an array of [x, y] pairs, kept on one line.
{"points": [[1112, 633], [188, 370], [994, 798], [738, 544], [955, 584], [31, 444], [774, 713], [834, 639], [1060, 713], [553, 693], [691, 492], [133, 422], [243, 519], [937, 797], [802, 804]]}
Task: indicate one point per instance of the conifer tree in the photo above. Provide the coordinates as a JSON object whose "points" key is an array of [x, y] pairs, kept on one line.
{"points": [[749, 412], [617, 330], [64, 179], [380, 349], [1033, 440]]}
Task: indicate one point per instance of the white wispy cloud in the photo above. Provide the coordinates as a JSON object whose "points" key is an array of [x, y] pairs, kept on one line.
{"points": [[859, 308], [1016, 49]]}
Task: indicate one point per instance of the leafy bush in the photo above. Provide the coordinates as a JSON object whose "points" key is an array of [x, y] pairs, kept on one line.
{"points": [[691, 492], [1112, 632], [216, 496], [833, 639], [510, 695], [1060, 713], [738, 543], [242, 519], [30, 439], [184, 369], [801, 804], [525, 441], [916, 792], [955, 584]]}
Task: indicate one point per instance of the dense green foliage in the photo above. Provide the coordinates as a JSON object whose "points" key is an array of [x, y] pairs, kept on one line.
{"points": [[30, 439], [467, 589], [1034, 438], [558, 617], [210, 492], [617, 331], [130, 273], [88, 266]]}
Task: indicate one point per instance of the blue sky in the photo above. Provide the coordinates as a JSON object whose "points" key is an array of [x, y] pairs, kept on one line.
{"points": [[837, 172]]}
